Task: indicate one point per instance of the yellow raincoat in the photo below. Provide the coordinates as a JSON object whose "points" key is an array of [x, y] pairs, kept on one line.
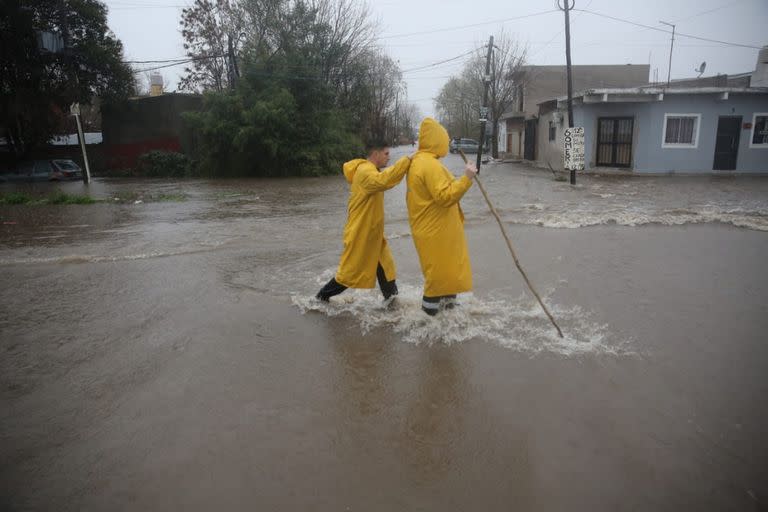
{"points": [[437, 222], [364, 243]]}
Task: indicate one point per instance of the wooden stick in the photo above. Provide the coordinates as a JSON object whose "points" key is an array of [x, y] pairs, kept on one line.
{"points": [[512, 250]]}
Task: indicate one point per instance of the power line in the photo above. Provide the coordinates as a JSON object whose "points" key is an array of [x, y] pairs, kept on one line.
{"points": [[173, 62], [163, 67], [690, 17], [459, 27], [555, 36], [179, 59], [657, 29], [120, 5], [434, 64], [708, 11]]}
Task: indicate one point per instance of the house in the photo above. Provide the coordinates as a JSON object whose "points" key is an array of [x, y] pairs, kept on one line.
{"points": [[138, 125], [692, 126], [517, 128]]}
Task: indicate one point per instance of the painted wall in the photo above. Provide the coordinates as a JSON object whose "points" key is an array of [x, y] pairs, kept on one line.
{"points": [[648, 155], [134, 127], [515, 138], [550, 153], [502, 137]]}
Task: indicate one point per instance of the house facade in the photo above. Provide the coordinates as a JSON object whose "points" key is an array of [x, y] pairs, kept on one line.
{"points": [[694, 126], [517, 131], [659, 131]]}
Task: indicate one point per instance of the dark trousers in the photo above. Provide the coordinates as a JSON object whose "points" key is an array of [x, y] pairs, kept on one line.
{"points": [[433, 305], [388, 288]]}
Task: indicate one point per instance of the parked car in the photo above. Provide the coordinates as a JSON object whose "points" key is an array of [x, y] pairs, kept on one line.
{"points": [[44, 170], [466, 145], [65, 170]]}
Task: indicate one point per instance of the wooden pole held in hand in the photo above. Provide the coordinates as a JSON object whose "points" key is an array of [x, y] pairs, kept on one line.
{"points": [[512, 250]]}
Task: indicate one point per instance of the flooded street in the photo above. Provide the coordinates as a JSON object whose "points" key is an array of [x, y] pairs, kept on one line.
{"points": [[161, 355]]}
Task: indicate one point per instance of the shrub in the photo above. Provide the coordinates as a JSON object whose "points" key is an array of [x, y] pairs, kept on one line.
{"points": [[166, 164]]}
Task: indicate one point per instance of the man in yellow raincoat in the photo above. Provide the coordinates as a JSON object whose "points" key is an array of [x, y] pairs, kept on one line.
{"points": [[366, 256], [437, 222]]}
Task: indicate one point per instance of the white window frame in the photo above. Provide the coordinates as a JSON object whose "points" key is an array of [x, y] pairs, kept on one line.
{"points": [[752, 131], [697, 129]]}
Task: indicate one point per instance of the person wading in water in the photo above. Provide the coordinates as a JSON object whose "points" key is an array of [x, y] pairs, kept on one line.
{"points": [[437, 222], [366, 256]]}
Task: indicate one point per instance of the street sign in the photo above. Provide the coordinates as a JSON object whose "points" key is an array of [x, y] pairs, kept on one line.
{"points": [[573, 150]]}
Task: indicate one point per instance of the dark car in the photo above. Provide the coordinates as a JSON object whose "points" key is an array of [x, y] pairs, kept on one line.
{"points": [[466, 145]]}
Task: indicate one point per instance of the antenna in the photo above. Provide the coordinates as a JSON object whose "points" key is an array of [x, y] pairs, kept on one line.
{"points": [[700, 69]]}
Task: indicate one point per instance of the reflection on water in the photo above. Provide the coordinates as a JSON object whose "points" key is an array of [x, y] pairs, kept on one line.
{"points": [[363, 362], [434, 423]]}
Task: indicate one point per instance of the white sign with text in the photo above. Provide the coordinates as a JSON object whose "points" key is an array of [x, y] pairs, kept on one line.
{"points": [[573, 148]]}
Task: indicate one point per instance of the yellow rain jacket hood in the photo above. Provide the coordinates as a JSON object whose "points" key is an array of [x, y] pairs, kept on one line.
{"points": [[437, 222], [364, 243]]}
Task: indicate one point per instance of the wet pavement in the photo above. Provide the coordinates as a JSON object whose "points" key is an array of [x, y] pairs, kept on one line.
{"points": [[169, 355]]}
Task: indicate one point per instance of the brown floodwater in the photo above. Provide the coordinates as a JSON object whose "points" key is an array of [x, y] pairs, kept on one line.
{"points": [[168, 355]]}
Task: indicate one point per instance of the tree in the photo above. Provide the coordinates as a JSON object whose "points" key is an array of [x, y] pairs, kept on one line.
{"points": [[330, 40], [53, 54], [459, 100], [458, 105], [208, 28], [312, 84], [381, 84], [507, 60], [411, 117]]}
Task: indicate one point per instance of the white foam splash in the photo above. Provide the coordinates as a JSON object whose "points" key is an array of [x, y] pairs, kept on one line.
{"points": [[518, 325], [757, 221]]}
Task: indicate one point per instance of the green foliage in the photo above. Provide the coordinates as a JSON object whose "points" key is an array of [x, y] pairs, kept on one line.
{"points": [[323, 52], [14, 198], [274, 124], [165, 164], [37, 85], [57, 197], [60, 197]]}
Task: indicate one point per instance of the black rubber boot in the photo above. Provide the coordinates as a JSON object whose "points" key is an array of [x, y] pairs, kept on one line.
{"points": [[329, 290], [433, 305]]}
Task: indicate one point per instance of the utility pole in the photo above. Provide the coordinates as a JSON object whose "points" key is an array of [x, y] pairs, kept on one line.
{"points": [[671, 45], [484, 106], [75, 107], [566, 8], [75, 111], [230, 62]]}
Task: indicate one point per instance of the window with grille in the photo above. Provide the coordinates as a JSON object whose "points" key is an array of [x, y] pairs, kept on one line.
{"points": [[759, 131], [681, 130], [552, 131]]}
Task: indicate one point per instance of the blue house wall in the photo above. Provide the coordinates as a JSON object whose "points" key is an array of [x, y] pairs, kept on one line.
{"points": [[648, 155]]}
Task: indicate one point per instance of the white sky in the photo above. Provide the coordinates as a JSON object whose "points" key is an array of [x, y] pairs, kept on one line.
{"points": [[149, 30]]}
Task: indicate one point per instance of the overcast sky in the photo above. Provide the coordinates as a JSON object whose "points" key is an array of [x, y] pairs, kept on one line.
{"points": [[149, 30]]}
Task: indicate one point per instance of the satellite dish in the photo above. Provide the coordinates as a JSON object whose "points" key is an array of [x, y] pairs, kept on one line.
{"points": [[700, 69]]}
